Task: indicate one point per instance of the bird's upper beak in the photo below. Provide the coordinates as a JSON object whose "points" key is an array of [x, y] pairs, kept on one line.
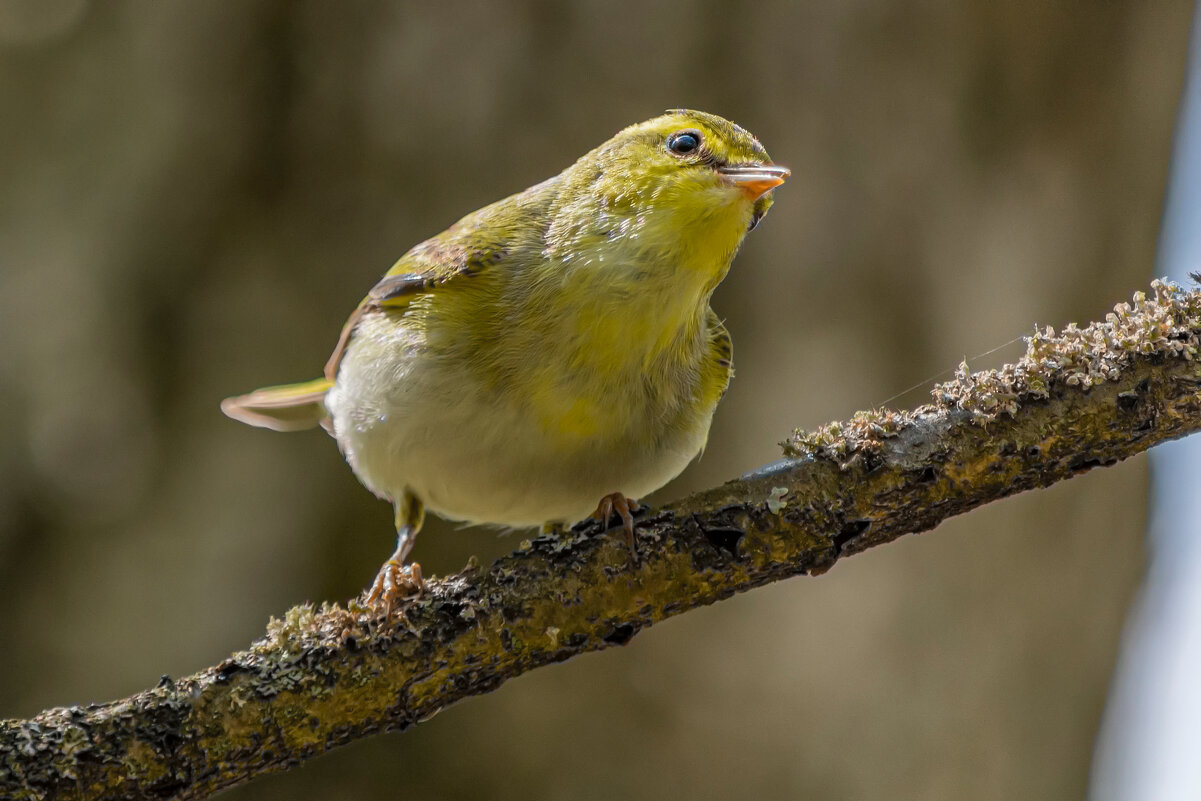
{"points": [[754, 179]]}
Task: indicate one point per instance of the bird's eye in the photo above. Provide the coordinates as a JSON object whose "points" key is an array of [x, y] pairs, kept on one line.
{"points": [[684, 143]]}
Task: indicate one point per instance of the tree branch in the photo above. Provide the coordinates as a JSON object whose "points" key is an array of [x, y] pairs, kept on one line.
{"points": [[1081, 399]]}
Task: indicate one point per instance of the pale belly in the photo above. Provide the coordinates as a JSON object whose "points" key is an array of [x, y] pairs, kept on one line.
{"points": [[407, 422]]}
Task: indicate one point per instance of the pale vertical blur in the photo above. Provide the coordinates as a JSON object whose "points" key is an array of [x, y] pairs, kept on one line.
{"points": [[1147, 749], [193, 196]]}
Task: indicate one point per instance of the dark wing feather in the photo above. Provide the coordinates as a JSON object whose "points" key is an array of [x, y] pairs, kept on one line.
{"points": [[476, 244], [456, 255]]}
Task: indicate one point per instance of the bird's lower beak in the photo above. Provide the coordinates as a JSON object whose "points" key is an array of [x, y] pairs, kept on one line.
{"points": [[754, 179]]}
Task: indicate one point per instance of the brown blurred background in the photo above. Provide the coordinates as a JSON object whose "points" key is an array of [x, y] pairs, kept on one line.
{"points": [[194, 195]]}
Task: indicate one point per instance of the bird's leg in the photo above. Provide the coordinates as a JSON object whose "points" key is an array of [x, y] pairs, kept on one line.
{"points": [[624, 507], [396, 580]]}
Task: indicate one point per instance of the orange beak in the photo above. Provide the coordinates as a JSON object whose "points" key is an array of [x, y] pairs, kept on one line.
{"points": [[754, 179]]}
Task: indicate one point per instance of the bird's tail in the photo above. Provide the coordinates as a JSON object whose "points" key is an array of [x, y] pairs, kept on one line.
{"points": [[288, 407]]}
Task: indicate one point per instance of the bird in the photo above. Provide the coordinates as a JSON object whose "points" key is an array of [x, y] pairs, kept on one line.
{"points": [[551, 355]]}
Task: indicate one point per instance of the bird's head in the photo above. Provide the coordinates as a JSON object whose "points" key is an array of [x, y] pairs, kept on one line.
{"points": [[688, 160], [687, 184]]}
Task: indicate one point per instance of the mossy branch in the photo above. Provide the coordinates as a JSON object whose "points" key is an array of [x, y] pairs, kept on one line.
{"points": [[1079, 399]]}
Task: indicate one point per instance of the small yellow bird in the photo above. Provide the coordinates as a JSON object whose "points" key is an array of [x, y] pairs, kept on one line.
{"points": [[554, 348]]}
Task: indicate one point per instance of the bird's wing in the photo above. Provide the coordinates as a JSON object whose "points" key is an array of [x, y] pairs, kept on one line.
{"points": [[294, 407], [475, 245], [414, 274]]}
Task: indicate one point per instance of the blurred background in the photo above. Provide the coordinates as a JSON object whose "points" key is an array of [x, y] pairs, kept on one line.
{"points": [[193, 196]]}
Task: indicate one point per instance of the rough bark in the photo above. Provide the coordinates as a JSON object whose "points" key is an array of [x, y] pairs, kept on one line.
{"points": [[321, 678]]}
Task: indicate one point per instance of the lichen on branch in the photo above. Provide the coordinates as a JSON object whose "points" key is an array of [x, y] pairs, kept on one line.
{"points": [[323, 677], [1161, 326]]}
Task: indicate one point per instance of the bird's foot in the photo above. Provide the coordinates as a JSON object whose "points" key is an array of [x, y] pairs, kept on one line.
{"points": [[625, 509], [393, 584]]}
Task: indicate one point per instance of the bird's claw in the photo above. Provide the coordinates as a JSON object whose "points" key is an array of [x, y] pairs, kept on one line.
{"points": [[393, 584], [625, 509]]}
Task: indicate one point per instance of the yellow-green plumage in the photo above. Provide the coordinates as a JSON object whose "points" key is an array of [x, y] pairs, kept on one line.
{"points": [[555, 346]]}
